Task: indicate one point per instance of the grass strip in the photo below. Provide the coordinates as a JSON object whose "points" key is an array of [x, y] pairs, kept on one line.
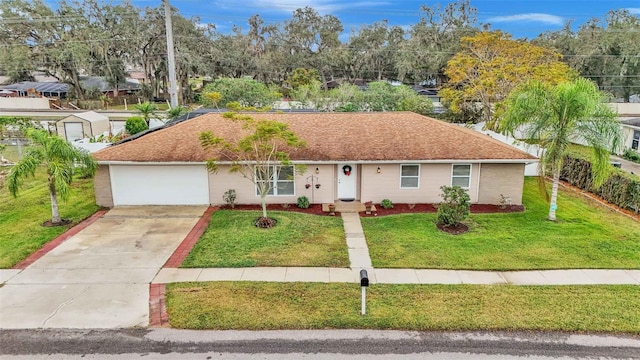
{"points": [[586, 235], [231, 240], [262, 306]]}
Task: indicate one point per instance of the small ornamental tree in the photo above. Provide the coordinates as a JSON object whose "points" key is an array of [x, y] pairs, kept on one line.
{"points": [[454, 207], [260, 155]]}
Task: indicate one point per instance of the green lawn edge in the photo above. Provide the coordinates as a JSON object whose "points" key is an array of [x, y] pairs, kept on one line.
{"points": [[21, 233], [296, 306], [586, 235]]}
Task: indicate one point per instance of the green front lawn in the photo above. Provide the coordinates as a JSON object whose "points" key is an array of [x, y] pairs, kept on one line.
{"points": [[297, 240], [586, 235], [260, 306], [20, 218]]}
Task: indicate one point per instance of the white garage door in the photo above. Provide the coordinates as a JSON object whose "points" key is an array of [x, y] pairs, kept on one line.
{"points": [[159, 185]]}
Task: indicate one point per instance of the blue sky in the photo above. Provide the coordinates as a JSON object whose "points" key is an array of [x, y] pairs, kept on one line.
{"points": [[521, 18]]}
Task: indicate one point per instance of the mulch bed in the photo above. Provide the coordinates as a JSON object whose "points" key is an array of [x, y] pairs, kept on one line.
{"points": [[316, 209], [430, 208], [63, 222], [456, 229]]}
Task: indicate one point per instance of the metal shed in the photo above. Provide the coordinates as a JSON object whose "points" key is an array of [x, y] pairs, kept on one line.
{"points": [[83, 125]]}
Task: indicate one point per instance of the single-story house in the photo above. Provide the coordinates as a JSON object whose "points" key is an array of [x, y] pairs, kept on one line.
{"points": [[38, 89], [631, 134], [82, 125], [100, 83], [401, 156]]}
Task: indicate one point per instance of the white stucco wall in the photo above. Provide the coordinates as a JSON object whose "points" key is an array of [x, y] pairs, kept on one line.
{"points": [[24, 103], [386, 184], [222, 181]]}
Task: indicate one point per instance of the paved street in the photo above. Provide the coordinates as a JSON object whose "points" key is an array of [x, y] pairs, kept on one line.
{"points": [[318, 344]]}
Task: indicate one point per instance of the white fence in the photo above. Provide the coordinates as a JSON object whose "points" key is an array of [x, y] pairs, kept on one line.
{"points": [[529, 170]]}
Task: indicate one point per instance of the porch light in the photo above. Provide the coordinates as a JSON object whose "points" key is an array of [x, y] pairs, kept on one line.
{"points": [[379, 170], [317, 171]]}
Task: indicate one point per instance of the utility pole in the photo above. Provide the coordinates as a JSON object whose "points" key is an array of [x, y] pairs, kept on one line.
{"points": [[171, 56]]}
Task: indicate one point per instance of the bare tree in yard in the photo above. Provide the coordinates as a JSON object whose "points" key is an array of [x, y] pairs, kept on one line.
{"points": [[260, 155]]}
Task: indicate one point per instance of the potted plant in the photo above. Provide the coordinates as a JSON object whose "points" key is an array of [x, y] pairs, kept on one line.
{"points": [[367, 206], [332, 209]]}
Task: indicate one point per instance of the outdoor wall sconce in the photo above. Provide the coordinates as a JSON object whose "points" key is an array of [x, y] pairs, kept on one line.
{"points": [[317, 171], [379, 170]]}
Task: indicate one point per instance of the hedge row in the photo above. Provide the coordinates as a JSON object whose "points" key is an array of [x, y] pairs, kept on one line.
{"points": [[621, 188]]}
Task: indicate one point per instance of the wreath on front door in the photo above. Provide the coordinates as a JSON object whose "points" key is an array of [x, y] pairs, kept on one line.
{"points": [[346, 170]]}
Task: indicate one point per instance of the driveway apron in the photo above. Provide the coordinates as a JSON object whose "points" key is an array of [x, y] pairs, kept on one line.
{"points": [[100, 277]]}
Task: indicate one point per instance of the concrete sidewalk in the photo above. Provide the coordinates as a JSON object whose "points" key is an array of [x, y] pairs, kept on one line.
{"points": [[403, 276]]}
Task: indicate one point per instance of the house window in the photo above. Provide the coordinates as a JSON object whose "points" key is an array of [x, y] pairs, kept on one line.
{"points": [[280, 179], [461, 176], [636, 140], [409, 176]]}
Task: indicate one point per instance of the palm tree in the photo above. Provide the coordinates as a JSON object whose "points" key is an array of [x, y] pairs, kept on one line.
{"points": [[59, 158], [554, 115], [146, 109], [177, 111]]}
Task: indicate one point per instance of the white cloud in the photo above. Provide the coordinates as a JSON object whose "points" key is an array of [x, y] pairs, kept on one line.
{"points": [[531, 17], [634, 11]]}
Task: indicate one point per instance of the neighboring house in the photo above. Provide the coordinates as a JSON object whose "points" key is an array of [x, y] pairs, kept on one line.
{"points": [[631, 133], [100, 84], [401, 156], [61, 90], [39, 89], [83, 125]]}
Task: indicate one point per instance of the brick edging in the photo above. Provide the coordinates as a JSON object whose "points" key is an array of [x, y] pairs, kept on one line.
{"points": [[181, 252], [158, 316], [59, 240]]}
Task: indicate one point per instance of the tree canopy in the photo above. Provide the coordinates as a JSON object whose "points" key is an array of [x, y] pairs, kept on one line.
{"points": [[490, 65], [246, 91], [92, 37], [603, 51]]}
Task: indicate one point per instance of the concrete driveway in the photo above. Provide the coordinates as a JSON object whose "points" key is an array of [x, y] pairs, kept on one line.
{"points": [[100, 277]]}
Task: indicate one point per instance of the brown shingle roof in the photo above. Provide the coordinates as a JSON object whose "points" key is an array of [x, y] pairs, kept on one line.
{"points": [[330, 137]]}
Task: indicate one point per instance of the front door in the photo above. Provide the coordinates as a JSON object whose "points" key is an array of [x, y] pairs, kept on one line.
{"points": [[347, 176]]}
